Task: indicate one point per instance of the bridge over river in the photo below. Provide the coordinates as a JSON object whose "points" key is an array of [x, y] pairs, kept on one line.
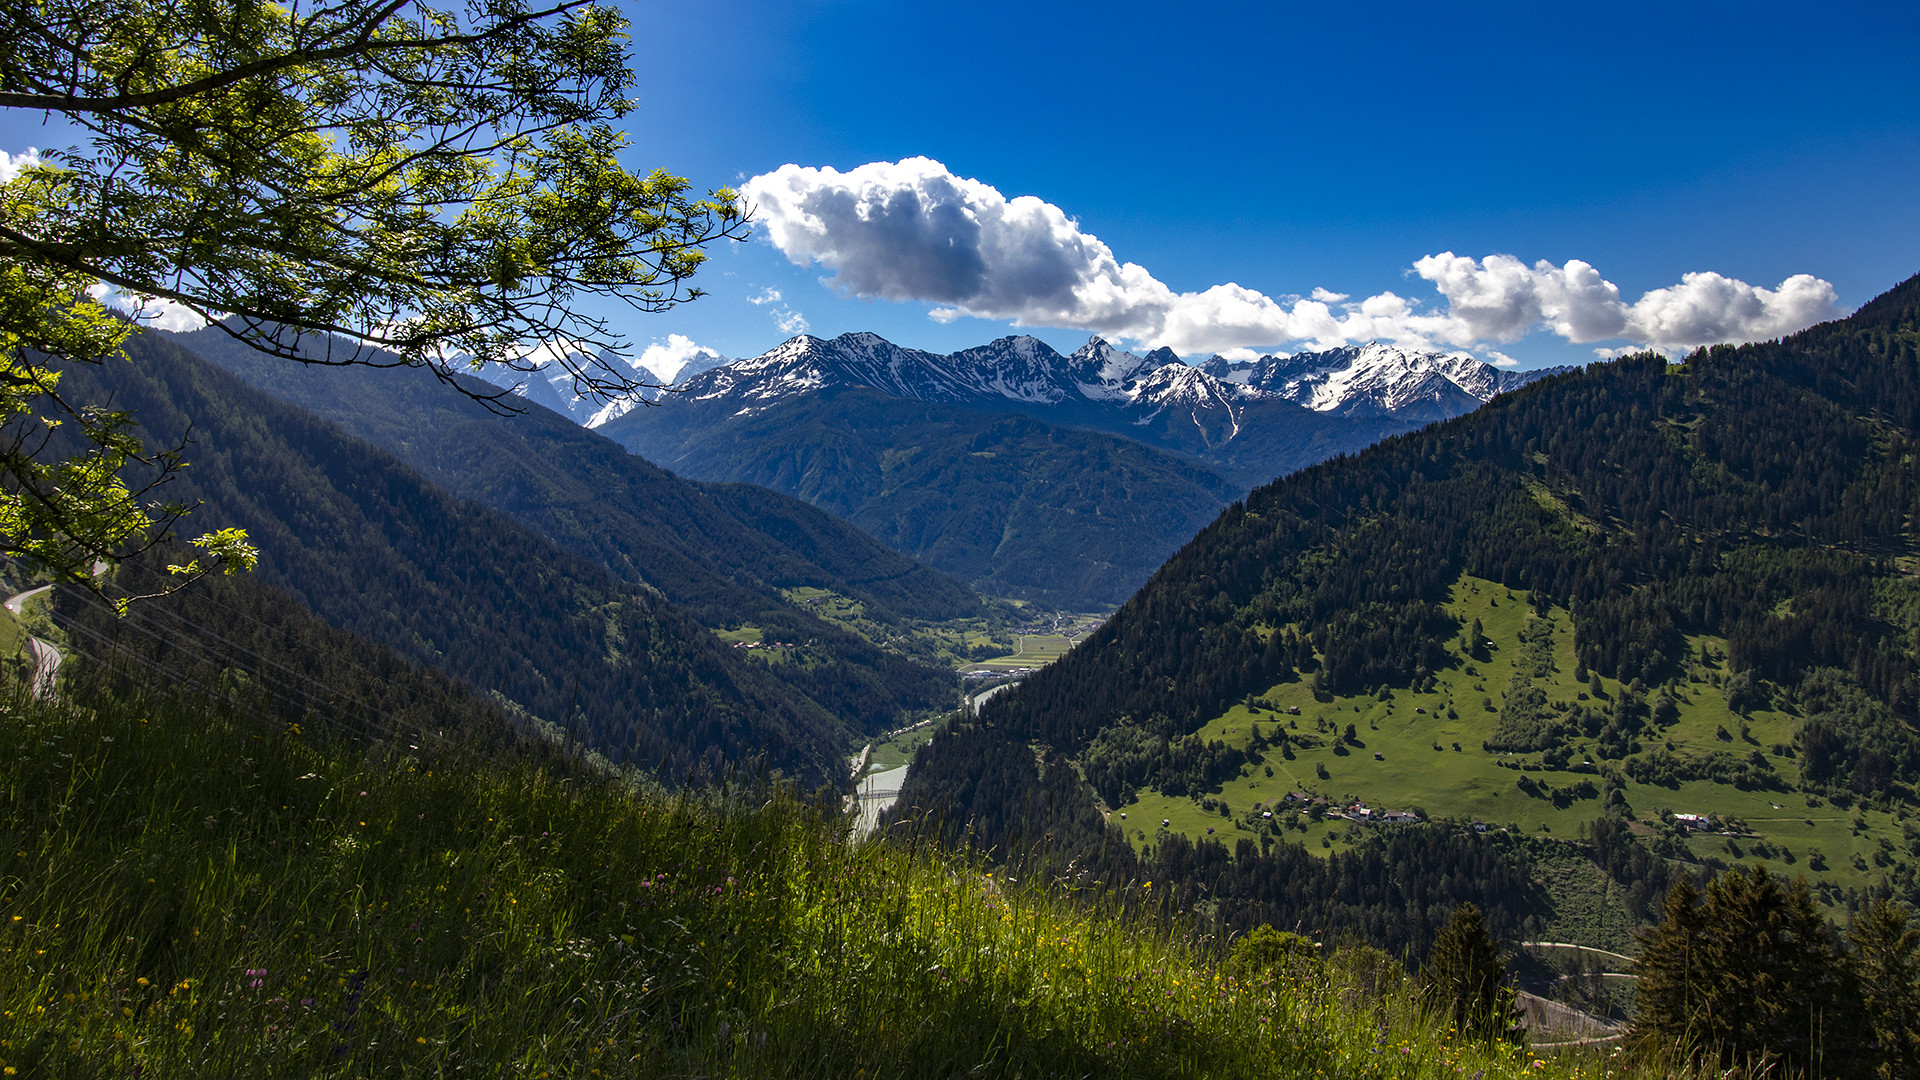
{"points": [[878, 789]]}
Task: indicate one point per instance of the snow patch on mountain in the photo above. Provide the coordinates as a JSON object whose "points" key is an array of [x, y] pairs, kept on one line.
{"points": [[544, 378], [1375, 379]]}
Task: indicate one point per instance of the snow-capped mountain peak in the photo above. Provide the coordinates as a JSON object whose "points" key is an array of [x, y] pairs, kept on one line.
{"points": [[1103, 373], [1375, 379], [546, 377]]}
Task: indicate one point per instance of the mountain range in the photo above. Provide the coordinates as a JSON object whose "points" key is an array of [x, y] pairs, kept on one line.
{"points": [[540, 379], [1066, 479], [1636, 591], [1156, 398]]}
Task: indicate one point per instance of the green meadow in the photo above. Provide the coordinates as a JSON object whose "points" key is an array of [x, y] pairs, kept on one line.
{"points": [[1422, 751], [896, 748], [953, 642]]}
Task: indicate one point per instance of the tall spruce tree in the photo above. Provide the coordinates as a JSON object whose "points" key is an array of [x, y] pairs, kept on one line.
{"points": [[1884, 955], [1747, 976], [1465, 979]]}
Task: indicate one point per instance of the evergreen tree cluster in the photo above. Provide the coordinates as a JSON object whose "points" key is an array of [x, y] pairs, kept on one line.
{"points": [[1465, 979], [236, 645], [1749, 975]]}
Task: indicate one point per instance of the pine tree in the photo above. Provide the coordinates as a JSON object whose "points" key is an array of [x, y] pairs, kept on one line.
{"points": [[1465, 979], [1748, 975], [1885, 960], [1670, 969]]}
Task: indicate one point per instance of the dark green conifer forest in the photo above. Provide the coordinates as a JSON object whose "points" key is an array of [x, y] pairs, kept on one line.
{"points": [[373, 548]]}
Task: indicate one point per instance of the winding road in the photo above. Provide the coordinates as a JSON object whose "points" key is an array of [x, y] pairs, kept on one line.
{"points": [[46, 658]]}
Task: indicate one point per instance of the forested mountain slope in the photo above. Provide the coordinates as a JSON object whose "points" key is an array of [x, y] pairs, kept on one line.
{"points": [[243, 648], [1007, 503], [373, 548], [727, 551], [721, 554], [1753, 504]]}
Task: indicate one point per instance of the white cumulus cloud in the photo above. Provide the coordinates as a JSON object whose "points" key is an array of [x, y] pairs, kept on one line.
{"points": [[153, 311], [913, 231], [1500, 299], [11, 164], [664, 361], [1706, 308]]}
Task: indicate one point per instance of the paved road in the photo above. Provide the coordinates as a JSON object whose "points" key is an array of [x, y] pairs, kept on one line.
{"points": [[984, 696], [1568, 945], [46, 658], [15, 601], [878, 789]]}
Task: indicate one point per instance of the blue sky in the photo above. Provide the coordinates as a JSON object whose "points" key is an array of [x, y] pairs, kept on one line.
{"points": [[1285, 149], [1288, 148]]}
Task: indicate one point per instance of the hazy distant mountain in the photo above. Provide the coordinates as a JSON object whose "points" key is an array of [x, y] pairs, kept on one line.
{"points": [[1005, 502], [542, 380]]}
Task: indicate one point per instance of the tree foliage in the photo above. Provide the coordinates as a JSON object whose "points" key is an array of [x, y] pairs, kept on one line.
{"points": [[440, 185], [1465, 979], [1884, 958], [425, 181], [1745, 974]]}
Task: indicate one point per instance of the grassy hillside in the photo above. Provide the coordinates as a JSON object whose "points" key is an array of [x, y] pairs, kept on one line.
{"points": [[1432, 759], [184, 895]]}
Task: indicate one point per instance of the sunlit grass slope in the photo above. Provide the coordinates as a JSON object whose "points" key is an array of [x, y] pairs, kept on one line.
{"points": [[187, 896], [1423, 751]]}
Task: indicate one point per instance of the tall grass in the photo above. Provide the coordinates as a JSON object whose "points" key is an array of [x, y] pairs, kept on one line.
{"points": [[187, 895]]}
